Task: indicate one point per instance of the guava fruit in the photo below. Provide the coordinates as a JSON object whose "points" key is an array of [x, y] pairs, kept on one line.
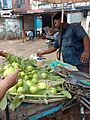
{"points": [[15, 65], [33, 89], [8, 71], [22, 73], [7, 66], [42, 85], [20, 90], [12, 89], [26, 77], [20, 83], [33, 72], [30, 68], [43, 75], [29, 83], [35, 76], [35, 80]]}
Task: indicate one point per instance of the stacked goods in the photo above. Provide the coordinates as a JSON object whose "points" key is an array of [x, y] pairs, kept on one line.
{"points": [[34, 83]]}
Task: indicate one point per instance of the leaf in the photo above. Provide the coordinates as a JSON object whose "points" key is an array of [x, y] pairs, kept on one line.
{"points": [[15, 103], [40, 92], [56, 83], [1, 72], [29, 62], [3, 103], [12, 58], [66, 94], [54, 77], [46, 101]]}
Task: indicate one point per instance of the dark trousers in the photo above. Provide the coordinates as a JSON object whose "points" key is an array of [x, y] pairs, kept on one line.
{"points": [[85, 67]]}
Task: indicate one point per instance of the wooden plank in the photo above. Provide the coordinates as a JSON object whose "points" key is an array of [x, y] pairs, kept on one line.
{"points": [[33, 109]]}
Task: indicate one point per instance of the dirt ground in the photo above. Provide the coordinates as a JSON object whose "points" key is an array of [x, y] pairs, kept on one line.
{"points": [[27, 48]]}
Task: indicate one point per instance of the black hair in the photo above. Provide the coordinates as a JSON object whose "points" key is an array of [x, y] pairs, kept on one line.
{"points": [[59, 15]]}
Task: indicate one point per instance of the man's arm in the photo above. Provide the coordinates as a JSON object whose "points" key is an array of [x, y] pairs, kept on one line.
{"points": [[7, 83], [50, 50], [86, 53], [3, 54]]}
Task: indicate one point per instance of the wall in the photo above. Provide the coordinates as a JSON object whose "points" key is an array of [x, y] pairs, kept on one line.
{"points": [[88, 13], [86, 23], [78, 17], [21, 5], [74, 17], [83, 23], [2, 27], [10, 28]]}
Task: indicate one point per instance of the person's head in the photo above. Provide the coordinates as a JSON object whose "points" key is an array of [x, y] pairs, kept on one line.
{"points": [[57, 19], [50, 30]]}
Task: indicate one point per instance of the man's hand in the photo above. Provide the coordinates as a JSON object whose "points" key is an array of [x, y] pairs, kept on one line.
{"points": [[48, 51], [3, 53], [39, 54], [11, 79], [85, 56], [7, 83]]}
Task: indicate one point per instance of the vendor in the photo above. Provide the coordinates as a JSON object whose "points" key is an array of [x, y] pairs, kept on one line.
{"points": [[75, 44], [7, 83]]}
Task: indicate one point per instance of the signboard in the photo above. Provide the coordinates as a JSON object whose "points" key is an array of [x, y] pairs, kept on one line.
{"points": [[63, 1]]}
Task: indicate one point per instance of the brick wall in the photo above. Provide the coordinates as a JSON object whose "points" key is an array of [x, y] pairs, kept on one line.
{"points": [[21, 5]]}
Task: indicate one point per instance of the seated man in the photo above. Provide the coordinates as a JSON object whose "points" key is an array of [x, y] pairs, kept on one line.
{"points": [[44, 32], [49, 34], [30, 35]]}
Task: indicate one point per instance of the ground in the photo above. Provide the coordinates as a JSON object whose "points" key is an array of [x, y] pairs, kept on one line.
{"points": [[27, 48]]}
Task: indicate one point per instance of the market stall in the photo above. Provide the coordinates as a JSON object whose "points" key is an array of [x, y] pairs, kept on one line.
{"points": [[44, 88]]}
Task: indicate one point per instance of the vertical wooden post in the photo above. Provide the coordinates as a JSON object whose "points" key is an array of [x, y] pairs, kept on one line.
{"points": [[23, 30], [35, 28], [7, 113]]}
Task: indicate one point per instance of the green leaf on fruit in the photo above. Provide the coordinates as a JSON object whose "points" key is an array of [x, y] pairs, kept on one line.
{"points": [[12, 58], [40, 92], [1, 72], [66, 94], [16, 102], [3, 103], [54, 77]]}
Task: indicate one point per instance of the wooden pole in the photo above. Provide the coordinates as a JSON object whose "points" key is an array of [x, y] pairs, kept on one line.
{"points": [[23, 30], [61, 28]]}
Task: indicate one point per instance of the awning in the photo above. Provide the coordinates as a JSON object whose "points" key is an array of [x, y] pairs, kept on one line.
{"points": [[63, 1], [35, 11]]}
